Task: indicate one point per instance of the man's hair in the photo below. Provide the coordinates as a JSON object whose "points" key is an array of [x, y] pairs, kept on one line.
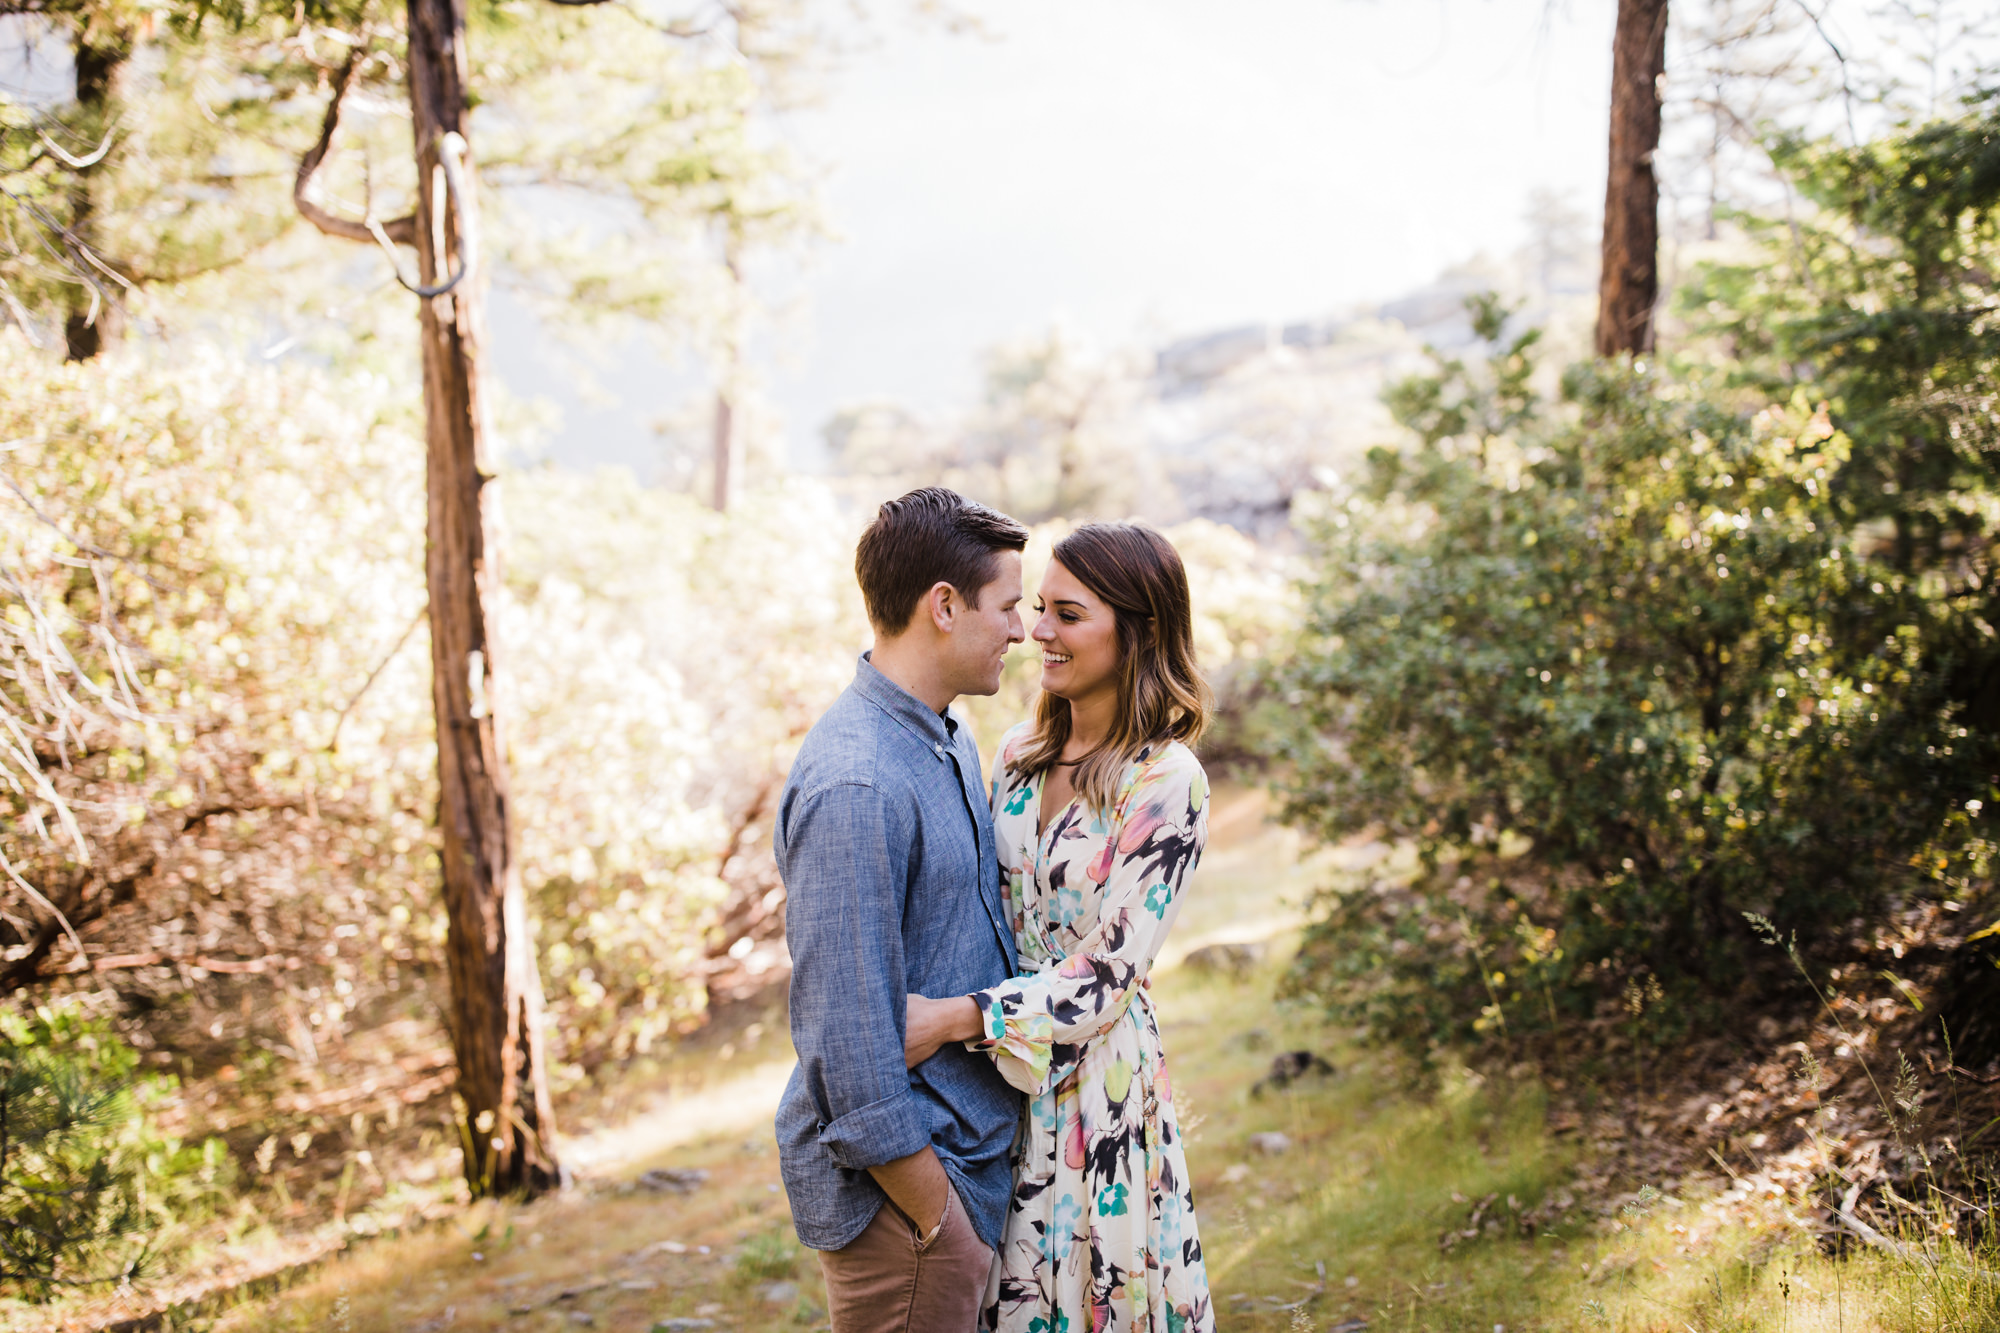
{"points": [[930, 536]]}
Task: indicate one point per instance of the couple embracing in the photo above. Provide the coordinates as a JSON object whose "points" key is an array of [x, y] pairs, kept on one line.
{"points": [[980, 1132]]}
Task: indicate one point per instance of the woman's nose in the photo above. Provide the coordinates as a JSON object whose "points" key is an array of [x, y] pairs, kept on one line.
{"points": [[1044, 632]]}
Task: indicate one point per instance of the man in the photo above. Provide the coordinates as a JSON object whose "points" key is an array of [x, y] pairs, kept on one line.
{"points": [[901, 1178]]}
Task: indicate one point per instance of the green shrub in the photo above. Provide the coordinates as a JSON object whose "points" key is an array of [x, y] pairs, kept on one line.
{"points": [[1707, 637], [89, 1192], [1615, 628]]}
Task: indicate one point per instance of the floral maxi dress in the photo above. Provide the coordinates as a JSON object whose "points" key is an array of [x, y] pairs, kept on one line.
{"points": [[1101, 1232]]}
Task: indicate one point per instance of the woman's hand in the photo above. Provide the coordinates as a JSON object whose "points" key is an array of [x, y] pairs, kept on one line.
{"points": [[928, 1024]]}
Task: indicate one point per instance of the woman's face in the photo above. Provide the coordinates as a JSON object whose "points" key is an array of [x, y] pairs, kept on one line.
{"points": [[1078, 635]]}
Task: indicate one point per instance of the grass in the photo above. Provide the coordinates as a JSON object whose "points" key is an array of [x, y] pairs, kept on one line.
{"points": [[1349, 1219], [1341, 1225]]}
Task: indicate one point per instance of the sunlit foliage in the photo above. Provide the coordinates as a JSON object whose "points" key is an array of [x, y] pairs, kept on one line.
{"points": [[203, 568], [669, 659], [1613, 628], [217, 694]]}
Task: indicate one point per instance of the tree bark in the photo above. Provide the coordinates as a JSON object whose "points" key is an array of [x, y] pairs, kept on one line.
{"points": [[496, 993], [723, 446], [99, 55], [722, 451], [1629, 283]]}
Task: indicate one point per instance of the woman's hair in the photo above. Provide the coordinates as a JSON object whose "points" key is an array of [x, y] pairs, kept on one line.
{"points": [[1161, 694]]}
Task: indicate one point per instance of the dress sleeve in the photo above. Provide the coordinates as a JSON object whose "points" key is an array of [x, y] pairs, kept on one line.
{"points": [[1035, 1025]]}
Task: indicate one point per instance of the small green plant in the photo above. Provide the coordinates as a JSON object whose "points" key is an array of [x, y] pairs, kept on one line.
{"points": [[1641, 1206], [767, 1257], [89, 1192]]}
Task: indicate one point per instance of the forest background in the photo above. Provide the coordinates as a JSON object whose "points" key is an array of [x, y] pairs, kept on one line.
{"points": [[1665, 650]]}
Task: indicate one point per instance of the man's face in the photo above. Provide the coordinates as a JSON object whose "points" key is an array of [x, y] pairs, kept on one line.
{"points": [[982, 635]]}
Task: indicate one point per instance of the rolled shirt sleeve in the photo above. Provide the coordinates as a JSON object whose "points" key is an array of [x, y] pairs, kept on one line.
{"points": [[843, 923]]}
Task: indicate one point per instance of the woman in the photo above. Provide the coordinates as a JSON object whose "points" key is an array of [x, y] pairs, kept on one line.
{"points": [[1100, 813]]}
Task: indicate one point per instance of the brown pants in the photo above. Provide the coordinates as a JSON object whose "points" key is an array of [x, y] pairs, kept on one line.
{"points": [[883, 1282]]}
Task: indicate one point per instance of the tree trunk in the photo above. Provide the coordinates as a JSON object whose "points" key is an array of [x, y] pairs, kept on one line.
{"points": [[723, 452], [1629, 283], [496, 991], [99, 56], [724, 446]]}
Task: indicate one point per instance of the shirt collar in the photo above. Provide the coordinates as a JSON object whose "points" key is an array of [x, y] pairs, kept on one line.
{"points": [[940, 733]]}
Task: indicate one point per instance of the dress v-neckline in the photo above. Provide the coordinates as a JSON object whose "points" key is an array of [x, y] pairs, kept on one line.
{"points": [[1042, 825]]}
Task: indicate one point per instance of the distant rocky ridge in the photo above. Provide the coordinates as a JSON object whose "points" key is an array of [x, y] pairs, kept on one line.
{"points": [[1235, 425], [1247, 419]]}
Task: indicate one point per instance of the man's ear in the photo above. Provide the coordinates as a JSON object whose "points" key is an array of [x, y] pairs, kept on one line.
{"points": [[942, 604]]}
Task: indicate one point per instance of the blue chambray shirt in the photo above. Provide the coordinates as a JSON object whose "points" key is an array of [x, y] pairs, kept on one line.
{"points": [[892, 885]]}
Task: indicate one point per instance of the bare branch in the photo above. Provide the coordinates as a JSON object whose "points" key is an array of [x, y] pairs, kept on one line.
{"points": [[403, 229], [20, 315], [1901, 1249], [227, 966], [333, 741], [451, 155], [681, 30], [1846, 88], [36, 894], [89, 159], [86, 909], [76, 258]]}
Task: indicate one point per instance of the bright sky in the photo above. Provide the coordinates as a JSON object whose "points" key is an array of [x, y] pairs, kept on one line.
{"points": [[1139, 170]]}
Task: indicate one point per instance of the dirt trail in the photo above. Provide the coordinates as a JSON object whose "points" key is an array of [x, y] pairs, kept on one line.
{"points": [[619, 1255]]}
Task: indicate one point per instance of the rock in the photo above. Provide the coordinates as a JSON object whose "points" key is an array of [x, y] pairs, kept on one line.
{"points": [[673, 1179], [1235, 1173], [1289, 1068], [582, 1317], [1234, 960], [682, 1325], [1271, 1144], [779, 1293]]}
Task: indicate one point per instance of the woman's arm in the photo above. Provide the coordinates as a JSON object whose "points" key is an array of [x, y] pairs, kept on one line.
{"points": [[1024, 1022], [933, 1024]]}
